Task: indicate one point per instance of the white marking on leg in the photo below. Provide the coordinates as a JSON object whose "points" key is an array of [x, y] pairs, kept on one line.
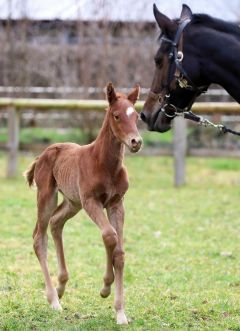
{"points": [[129, 111], [56, 305], [121, 317], [52, 297]]}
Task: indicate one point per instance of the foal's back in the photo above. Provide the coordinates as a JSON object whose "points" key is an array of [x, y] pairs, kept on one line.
{"points": [[64, 165]]}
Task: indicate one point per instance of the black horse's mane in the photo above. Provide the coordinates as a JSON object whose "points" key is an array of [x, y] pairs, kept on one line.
{"points": [[216, 24], [213, 23]]}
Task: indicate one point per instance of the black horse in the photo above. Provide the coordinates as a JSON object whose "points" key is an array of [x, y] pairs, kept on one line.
{"points": [[195, 51]]}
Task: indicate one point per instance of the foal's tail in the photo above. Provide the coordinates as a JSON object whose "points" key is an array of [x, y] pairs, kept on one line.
{"points": [[29, 173]]}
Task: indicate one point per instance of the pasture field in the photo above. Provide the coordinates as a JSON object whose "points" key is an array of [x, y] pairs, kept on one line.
{"points": [[182, 253]]}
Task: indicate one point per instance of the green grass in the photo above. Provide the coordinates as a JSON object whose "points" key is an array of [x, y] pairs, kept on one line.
{"points": [[155, 139], [182, 254], [53, 135], [45, 135]]}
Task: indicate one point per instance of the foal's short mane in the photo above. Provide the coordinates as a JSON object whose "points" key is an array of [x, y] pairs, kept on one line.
{"points": [[121, 95]]}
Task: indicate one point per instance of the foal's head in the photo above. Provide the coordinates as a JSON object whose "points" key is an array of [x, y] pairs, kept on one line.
{"points": [[123, 117]]}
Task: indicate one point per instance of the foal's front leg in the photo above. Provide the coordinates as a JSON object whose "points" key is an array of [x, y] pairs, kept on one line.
{"points": [[116, 217], [109, 235]]}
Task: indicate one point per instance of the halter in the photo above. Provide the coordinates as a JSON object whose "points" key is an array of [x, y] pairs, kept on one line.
{"points": [[175, 57]]}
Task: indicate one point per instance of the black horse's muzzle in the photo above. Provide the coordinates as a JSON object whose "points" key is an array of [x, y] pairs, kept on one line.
{"points": [[159, 121]]}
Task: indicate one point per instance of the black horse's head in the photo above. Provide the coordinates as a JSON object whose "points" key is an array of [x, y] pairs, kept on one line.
{"points": [[178, 79]]}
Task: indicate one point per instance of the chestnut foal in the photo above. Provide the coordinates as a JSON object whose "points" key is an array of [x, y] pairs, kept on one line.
{"points": [[91, 177]]}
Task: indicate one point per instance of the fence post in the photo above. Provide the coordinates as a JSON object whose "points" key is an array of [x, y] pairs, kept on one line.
{"points": [[13, 141], [179, 150]]}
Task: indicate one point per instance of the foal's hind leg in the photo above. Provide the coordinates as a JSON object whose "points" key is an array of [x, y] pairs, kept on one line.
{"points": [[64, 211], [47, 202]]}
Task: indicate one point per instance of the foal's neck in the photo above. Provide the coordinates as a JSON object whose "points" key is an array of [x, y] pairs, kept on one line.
{"points": [[108, 150]]}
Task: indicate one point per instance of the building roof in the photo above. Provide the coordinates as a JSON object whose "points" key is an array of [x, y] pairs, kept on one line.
{"points": [[120, 10]]}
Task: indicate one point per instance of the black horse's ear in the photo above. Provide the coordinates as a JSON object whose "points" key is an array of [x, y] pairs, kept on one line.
{"points": [[163, 21], [186, 13]]}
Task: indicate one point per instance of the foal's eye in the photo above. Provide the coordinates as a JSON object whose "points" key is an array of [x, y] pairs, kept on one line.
{"points": [[116, 117]]}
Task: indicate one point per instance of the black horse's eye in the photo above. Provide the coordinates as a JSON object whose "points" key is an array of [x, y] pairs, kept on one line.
{"points": [[158, 61], [116, 117]]}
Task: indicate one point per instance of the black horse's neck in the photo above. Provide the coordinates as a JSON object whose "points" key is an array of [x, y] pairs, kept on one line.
{"points": [[219, 53]]}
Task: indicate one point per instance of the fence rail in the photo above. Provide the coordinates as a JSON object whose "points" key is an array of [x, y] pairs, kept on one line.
{"points": [[86, 90], [227, 108], [15, 106]]}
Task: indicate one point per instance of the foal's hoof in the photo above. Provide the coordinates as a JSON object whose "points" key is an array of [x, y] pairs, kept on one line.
{"points": [[121, 318], [56, 306], [105, 292]]}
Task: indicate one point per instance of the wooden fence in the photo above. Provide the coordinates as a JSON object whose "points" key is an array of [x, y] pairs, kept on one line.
{"points": [[15, 106]]}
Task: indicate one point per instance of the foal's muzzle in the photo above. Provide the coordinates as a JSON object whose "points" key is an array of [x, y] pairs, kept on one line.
{"points": [[134, 144]]}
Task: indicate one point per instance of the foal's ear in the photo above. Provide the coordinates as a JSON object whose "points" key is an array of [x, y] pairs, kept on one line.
{"points": [[164, 23], [133, 96], [111, 94], [186, 13]]}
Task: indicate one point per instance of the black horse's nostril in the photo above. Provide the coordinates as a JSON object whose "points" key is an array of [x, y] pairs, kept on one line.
{"points": [[143, 117]]}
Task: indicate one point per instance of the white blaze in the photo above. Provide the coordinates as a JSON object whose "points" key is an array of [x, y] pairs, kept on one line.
{"points": [[129, 111]]}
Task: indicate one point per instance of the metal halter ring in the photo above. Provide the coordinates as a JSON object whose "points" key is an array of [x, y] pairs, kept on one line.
{"points": [[165, 112], [180, 56]]}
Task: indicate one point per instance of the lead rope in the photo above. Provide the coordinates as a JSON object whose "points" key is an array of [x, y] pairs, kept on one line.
{"points": [[205, 122]]}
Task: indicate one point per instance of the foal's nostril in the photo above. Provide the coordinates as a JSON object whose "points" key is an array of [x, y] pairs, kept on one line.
{"points": [[134, 142]]}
